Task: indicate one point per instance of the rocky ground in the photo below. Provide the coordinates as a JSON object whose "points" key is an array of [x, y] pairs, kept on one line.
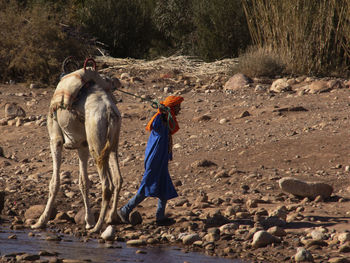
{"points": [[237, 140]]}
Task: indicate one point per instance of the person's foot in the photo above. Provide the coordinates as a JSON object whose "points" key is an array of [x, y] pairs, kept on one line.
{"points": [[123, 216], [166, 221]]}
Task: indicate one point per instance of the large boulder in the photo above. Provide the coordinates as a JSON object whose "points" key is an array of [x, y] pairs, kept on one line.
{"points": [[12, 110], [303, 255], [238, 81], [280, 85], [79, 218], [263, 238], [320, 86], [35, 211], [305, 189]]}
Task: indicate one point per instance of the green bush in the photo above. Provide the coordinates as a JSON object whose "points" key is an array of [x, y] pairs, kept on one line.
{"points": [[123, 25], [32, 44], [221, 29], [173, 21]]}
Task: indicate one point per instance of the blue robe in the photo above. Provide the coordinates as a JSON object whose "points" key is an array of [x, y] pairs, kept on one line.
{"points": [[156, 181]]}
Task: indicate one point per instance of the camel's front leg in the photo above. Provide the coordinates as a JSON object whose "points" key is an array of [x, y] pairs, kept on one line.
{"points": [[84, 185], [117, 181], [56, 152]]}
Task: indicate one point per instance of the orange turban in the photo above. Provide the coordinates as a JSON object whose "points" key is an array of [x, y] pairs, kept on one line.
{"points": [[170, 102]]}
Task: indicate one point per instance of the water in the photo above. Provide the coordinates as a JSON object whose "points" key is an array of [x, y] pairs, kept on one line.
{"points": [[73, 248]]}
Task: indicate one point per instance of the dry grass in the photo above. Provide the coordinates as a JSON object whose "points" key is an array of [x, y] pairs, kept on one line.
{"points": [[260, 62], [314, 33], [182, 64]]}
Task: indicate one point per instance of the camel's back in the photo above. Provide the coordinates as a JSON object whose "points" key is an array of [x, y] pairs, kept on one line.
{"points": [[94, 100]]}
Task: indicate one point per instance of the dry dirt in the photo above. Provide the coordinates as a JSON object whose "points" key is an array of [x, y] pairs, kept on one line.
{"points": [[250, 154]]}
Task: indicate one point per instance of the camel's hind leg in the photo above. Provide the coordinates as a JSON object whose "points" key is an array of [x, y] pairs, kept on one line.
{"points": [[101, 156], [117, 182], [106, 185], [56, 142], [84, 185]]}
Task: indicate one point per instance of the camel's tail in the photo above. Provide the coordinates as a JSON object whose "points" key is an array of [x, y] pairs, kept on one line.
{"points": [[111, 140]]}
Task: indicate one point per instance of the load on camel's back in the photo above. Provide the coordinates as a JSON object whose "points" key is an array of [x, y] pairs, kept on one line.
{"points": [[83, 116]]}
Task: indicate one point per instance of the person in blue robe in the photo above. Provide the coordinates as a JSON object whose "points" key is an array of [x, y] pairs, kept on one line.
{"points": [[156, 181]]}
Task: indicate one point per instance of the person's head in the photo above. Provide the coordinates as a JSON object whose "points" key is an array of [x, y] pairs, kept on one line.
{"points": [[174, 102], [177, 109]]}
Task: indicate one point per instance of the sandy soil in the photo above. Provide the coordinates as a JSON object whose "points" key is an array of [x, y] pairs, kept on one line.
{"points": [[250, 155]]}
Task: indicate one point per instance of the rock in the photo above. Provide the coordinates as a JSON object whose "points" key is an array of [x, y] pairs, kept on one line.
{"points": [[190, 239], [259, 88], [12, 110], [136, 242], [277, 231], [221, 174], [135, 218], [228, 229], [223, 121], [339, 260], [263, 238], [204, 117], [216, 220], [35, 211], [203, 163], [280, 85], [124, 76], [2, 154], [211, 237], [317, 235], [181, 201], [67, 260], [34, 86], [273, 221], [62, 216], [281, 212], [345, 248], [305, 189], [27, 257], [344, 237], [238, 81], [303, 255], [53, 238], [320, 86], [314, 242], [79, 218], [244, 114], [109, 233]]}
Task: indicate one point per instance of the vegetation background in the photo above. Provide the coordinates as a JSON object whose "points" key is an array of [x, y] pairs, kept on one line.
{"points": [[270, 37]]}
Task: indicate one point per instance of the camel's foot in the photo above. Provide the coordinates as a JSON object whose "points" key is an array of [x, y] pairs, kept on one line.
{"points": [[38, 225], [89, 226], [96, 229], [112, 219]]}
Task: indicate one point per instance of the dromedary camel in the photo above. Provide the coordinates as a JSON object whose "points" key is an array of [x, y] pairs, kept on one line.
{"points": [[83, 116]]}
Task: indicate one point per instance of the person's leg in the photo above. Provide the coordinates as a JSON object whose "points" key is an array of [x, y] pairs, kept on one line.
{"points": [[160, 214], [133, 202]]}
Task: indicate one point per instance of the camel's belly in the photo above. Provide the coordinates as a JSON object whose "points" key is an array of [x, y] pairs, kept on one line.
{"points": [[72, 127]]}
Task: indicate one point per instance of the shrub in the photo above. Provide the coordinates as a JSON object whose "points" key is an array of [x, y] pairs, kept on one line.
{"points": [[32, 44], [260, 62], [221, 28], [123, 25], [173, 20]]}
